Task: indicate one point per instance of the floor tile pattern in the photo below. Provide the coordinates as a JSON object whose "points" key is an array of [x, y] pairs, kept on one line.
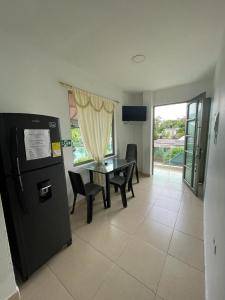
{"points": [[152, 250]]}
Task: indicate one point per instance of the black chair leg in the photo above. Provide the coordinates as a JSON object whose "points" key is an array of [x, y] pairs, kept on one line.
{"points": [[74, 202], [89, 209], [104, 198], [115, 188], [123, 195], [116, 173], [129, 185], [132, 191], [137, 175]]}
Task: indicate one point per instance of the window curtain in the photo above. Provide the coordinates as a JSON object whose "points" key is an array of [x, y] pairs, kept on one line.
{"points": [[95, 115]]}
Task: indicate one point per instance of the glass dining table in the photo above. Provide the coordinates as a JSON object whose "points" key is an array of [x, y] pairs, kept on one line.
{"points": [[106, 168]]}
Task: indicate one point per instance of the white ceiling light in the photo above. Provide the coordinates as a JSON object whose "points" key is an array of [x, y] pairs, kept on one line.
{"points": [[138, 58]]}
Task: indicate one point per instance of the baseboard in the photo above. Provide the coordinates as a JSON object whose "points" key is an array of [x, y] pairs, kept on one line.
{"points": [[145, 174], [15, 296]]}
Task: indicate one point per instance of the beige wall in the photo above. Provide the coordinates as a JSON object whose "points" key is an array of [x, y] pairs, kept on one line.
{"points": [[183, 92], [28, 80], [29, 84], [7, 279], [171, 95], [131, 132], [214, 214]]}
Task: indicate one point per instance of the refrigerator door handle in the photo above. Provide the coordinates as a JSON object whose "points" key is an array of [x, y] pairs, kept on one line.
{"points": [[15, 150], [19, 174], [21, 184], [16, 164], [20, 187]]}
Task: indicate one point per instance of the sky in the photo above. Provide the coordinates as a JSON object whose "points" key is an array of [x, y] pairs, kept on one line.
{"points": [[171, 112]]}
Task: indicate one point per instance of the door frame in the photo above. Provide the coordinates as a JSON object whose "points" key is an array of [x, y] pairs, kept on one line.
{"points": [[207, 128], [194, 100], [201, 144], [153, 128]]}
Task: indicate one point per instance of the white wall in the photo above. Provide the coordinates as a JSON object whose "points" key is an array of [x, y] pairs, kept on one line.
{"points": [[183, 92], [7, 279], [130, 132], [214, 215], [171, 95], [29, 84], [147, 134]]}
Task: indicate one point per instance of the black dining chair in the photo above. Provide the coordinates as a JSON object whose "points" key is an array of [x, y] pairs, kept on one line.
{"points": [[131, 155], [89, 190], [121, 182]]}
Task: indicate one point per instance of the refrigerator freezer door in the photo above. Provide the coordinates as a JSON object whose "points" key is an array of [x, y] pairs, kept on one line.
{"points": [[41, 225], [28, 142]]}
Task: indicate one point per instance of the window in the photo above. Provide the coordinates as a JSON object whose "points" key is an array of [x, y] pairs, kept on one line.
{"points": [[80, 154]]}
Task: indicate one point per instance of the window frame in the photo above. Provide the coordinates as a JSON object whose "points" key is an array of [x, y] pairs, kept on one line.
{"points": [[107, 155], [113, 139]]}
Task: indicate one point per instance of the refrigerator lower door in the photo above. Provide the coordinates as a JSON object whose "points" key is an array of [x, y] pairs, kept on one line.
{"points": [[43, 228]]}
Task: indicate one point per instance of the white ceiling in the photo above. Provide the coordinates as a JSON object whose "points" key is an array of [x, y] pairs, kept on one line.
{"points": [[180, 38]]}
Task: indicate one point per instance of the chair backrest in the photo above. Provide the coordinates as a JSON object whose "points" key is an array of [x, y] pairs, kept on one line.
{"points": [[77, 183], [129, 172], [131, 153]]}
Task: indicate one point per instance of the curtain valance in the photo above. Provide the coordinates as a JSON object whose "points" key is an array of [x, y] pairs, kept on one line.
{"points": [[98, 103]]}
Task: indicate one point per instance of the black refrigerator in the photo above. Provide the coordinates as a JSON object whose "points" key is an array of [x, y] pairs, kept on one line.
{"points": [[33, 189]]}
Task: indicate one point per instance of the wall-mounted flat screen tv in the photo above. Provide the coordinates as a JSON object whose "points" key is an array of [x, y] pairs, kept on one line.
{"points": [[134, 113]]}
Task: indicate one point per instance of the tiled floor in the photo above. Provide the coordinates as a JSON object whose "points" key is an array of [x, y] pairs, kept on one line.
{"points": [[152, 250]]}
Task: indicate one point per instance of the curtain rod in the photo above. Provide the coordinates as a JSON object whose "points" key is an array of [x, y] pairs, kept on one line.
{"points": [[70, 87]]}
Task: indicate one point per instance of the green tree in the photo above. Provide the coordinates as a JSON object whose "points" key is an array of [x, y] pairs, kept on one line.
{"points": [[180, 133], [160, 127], [173, 152], [76, 138]]}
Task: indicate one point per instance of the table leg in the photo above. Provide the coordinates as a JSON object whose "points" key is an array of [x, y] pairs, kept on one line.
{"points": [[91, 176], [108, 200]]}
